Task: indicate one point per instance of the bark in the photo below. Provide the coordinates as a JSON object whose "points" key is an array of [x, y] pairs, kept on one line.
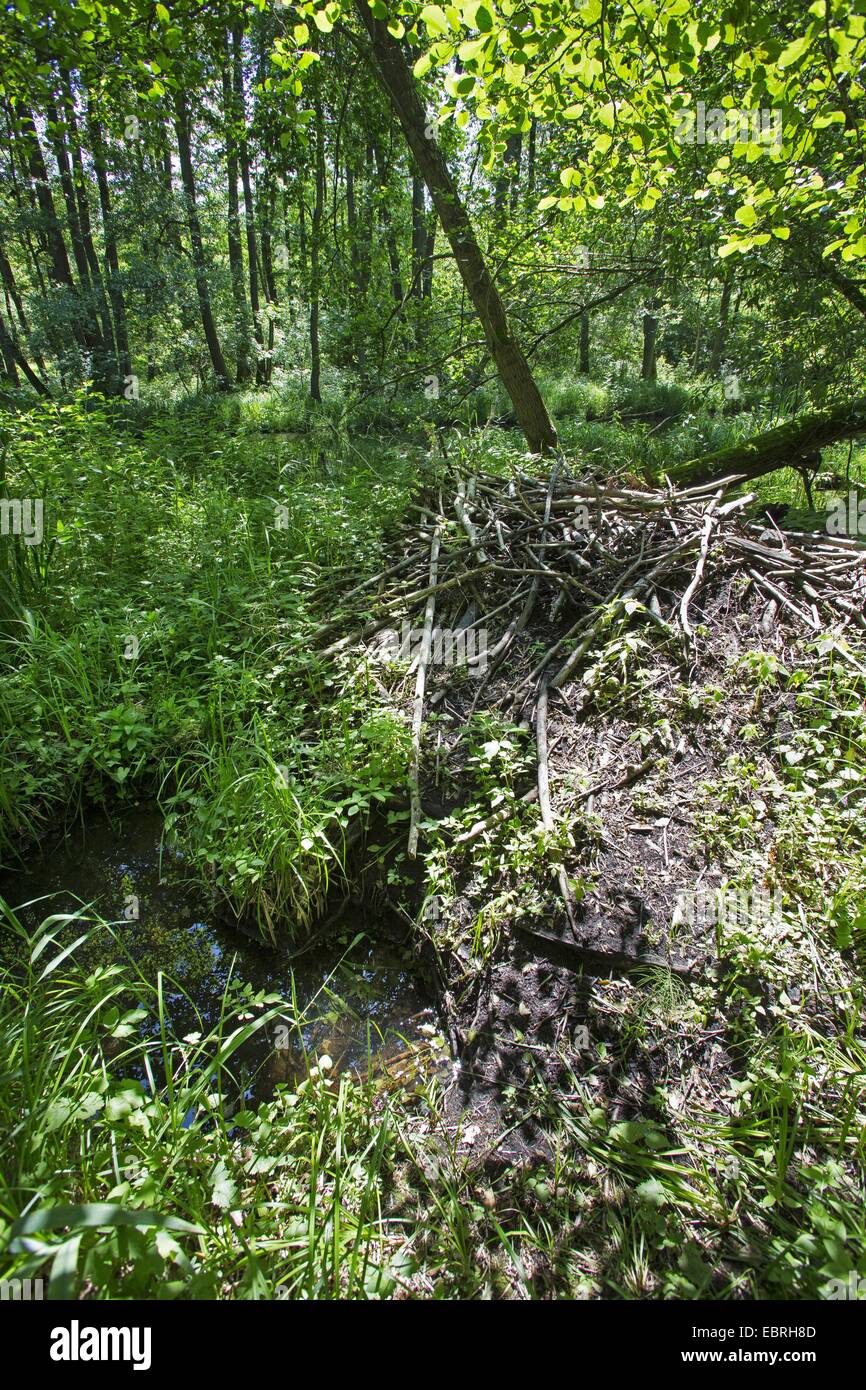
{"points": [[649, 366], [112, 260], [14, 358], [583, 366], [64, 166], [267, 204], [85, 329], [721, 333], [249, 204], [506, 188], [427, 283], [530, 160], [358, 279], [172, 234], [397, 82], [385, 218], [10, 368], [198, 257], [59, 268], [315, 248], [419, 237], [233, 230], [80, 183], [11, 291], [789, 445]]}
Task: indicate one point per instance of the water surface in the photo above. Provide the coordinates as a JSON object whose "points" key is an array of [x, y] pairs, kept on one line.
{"points": [[350, 995]]}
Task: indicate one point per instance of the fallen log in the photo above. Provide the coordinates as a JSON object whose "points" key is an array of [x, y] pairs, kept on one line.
{"points": [[788, 445]]}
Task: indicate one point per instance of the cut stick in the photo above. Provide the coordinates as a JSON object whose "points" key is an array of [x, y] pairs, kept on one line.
{"points": [[517, 624], [709, 522], [468, 526], [544, 805], [418, 711], [488, 823]]}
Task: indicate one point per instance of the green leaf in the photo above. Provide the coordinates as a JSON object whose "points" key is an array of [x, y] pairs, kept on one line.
{"points": [[605, 115], [746, 215], [652, 1192], [224, 1188], [89, 1216], [794, 51], [435, 20]]}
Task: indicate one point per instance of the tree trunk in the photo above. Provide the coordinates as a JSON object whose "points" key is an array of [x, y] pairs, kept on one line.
{"points": [[385, 218], [14, 358], [249, 205], [721, 333], [785, 446], [198, 258], [430, 246], [649, 366], [233, 231], [10, 289], [81, 182], [419, 237], [112, 261], [583, 366], [530, 161], [506, 186], [85, 331], [315, 249], [397, 81]]}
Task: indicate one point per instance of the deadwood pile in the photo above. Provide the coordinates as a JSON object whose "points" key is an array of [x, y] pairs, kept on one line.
{"points": [[545, 566]]}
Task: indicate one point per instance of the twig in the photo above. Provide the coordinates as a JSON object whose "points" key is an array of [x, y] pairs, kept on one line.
{"points": [[418, 711]]}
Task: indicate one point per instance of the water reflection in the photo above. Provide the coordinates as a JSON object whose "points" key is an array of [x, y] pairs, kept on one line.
{"points": [[348, 997]]}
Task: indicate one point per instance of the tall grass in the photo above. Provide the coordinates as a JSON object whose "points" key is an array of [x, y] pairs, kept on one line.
{"points": [[168, 650], [129, 1170]]}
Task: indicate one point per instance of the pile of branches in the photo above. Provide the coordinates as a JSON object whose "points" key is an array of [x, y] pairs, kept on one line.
{"points": [[560, 555]]}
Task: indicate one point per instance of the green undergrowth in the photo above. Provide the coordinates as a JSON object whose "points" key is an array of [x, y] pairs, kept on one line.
{"points": [[158, 640], [736, 1167]]}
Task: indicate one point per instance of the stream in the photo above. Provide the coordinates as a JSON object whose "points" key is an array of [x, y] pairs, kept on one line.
{"points": [[354, 996]]}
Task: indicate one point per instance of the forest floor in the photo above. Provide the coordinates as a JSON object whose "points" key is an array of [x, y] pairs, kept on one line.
{"points": [[686, 930], [638, 887]]}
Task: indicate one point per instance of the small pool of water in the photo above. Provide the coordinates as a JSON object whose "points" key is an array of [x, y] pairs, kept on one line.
{"points": [[350, 996]]}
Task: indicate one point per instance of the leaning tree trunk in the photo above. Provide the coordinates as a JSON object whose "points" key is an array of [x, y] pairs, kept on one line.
{"points": [[14, 359], [397, 82], [788, 445], [85, 330]]}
